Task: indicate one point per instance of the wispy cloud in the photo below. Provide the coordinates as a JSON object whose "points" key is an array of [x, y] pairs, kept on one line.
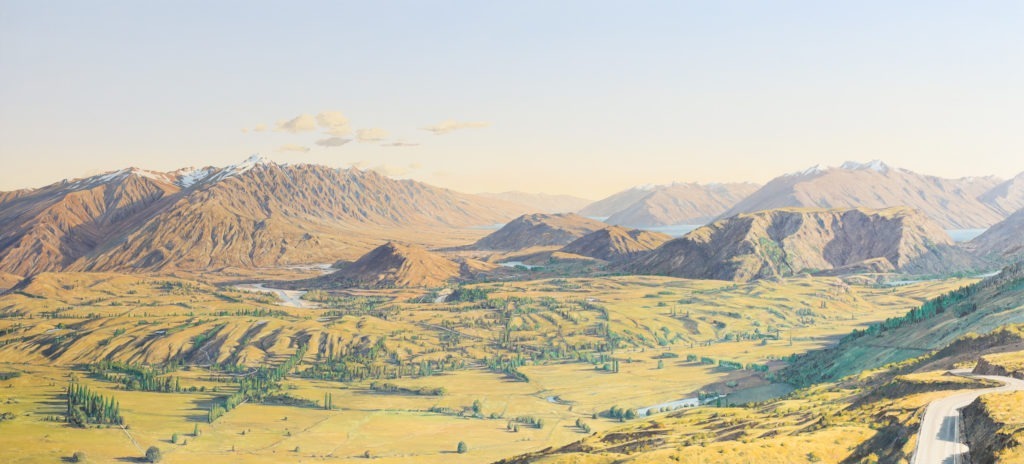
{"points": [[371, 135], [292, 148], [300, 123], [334, 123], [450, 126], [332, 142], [400, 144], [257, 128]]}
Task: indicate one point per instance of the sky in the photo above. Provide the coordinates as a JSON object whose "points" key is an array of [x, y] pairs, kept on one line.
{"points": [[577, 97]]}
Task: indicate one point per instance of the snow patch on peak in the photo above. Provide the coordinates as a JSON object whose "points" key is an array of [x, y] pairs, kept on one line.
{"points": [[646, 187], [255, 159], [191, 176], [236, 169], [157, 176], [816, 169], [99, 179], [874, 165]]}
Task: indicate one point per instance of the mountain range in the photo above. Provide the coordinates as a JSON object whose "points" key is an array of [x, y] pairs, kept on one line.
{"points": [[785, 242], [260, 214], [256, 213], [662, 205], [965, 203]]}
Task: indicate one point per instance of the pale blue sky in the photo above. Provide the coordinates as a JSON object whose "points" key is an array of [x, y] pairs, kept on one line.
{"points": [[581, 97]]}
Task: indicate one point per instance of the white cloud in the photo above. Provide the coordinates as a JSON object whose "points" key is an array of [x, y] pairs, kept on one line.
{"points": [[334, 123], [332, 142], [260, 128], [300, 123], [371, 135], [449, 126], [292, 148]]}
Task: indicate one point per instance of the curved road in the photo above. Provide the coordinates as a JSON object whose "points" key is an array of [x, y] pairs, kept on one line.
{"points": [[941, 427]]}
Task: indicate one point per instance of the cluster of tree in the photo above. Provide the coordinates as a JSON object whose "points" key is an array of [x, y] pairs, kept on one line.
{"points": [[582, 426], [137, 377], [344, 305], [732, 365], [508, 366], [534, 422], [387, 387], [87, 407], [372, 361], [926, 311], [9, 375], [469, 295], [253, 312], [757, 367], [258, 385], [178, 287], [612, 367], [622, 414]]}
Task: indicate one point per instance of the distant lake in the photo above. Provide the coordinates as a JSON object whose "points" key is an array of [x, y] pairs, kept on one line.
{"points": [[517, 264], [964, 235]]}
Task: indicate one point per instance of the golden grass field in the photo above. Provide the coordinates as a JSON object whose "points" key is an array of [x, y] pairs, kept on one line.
{"points": [[60, 322]]}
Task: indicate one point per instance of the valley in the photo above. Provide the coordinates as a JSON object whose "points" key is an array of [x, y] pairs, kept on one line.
{"points": [[499, 351]]}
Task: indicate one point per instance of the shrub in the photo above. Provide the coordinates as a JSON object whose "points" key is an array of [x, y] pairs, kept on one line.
{"points": [[153, 454], [461, 448], [79, 456]]}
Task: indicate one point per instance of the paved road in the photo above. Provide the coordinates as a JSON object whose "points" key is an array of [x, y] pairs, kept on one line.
{"points": [[941, 428]]}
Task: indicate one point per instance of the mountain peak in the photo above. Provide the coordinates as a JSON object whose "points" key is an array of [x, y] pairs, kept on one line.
{"points": [[249, 163], [813, 170], [538, 229], [400, 265]]}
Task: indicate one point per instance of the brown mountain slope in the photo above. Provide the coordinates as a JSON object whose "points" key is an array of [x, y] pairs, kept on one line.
{"points": [[398, 265], [530, 230], [256, 213], [541, 202], [1003, 241], [788, 241], [8, 280], [953, 203], [272, 214], [1007, 197], [687, 203], [49, 228], [606, 207], [616, 243]]}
